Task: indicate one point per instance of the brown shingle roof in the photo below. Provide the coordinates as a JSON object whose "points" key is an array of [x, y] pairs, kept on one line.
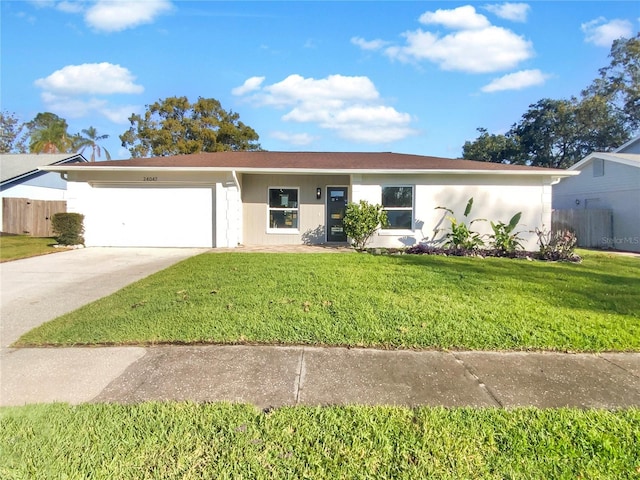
{"points": [[312, 161]]}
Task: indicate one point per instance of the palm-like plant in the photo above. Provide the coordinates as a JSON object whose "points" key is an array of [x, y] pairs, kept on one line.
{"points": [[51, 139], [90, 140]]}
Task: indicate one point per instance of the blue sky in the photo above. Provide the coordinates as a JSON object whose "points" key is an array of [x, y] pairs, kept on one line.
{"points": [[401, 76]]}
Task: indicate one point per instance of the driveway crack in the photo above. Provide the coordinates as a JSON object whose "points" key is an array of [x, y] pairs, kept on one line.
{"points": [[299, 377], [479, 381], [615, 364]]}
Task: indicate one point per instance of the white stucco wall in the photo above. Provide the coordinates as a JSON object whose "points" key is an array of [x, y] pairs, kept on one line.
{"points": [[618, 190], [204, 210], [496, 198]]}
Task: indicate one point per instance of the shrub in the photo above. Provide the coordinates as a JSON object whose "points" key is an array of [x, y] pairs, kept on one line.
{"points": [[68, 228], [504, 239], [557, 245], [361, 220], [460, 235]]}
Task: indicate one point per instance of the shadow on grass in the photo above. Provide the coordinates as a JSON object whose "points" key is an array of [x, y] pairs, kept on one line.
{"points": [[582, 286]]}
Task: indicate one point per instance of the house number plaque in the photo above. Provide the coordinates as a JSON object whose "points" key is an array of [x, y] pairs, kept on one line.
{"points": [[150, 179]]}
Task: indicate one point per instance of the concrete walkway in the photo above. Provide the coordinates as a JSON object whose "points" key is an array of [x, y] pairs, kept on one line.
{"points": [[39, 289]]}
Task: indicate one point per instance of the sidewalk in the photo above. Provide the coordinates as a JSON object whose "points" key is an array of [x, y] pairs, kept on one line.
{"points": [[39, 289], [271, 377]]}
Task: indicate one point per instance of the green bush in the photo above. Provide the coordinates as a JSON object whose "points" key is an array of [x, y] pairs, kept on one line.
{"points": [[68, 228], [361, 220], [460, 235], [504, 239]]}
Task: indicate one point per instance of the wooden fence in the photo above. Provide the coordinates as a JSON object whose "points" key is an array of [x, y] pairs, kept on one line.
{"points": [[592, 226], [24, 216]]}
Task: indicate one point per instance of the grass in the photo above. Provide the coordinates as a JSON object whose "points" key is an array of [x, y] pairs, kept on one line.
{"points": [[225, 441], [14, 247], [404, 301]]}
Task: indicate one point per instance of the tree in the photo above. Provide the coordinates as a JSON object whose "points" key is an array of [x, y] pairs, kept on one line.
{"points": [[48, 134], [619, 82], [90, 140], [10, 139], [547, 134], [491, 148], [175, 126], [559, 133], [553, 133]]}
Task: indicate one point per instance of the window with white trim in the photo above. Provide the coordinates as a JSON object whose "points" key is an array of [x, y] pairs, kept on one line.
{"points": [[283, 208], [397, 202]]}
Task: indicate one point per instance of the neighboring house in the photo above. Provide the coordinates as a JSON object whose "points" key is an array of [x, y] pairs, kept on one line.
{"points": [[609, 182], [255, 198], [21, 178]]}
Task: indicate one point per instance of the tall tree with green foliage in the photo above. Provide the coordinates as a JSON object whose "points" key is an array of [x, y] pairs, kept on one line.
{"points": [[89, 138], [559, 133], [175, 126], [48, 134], [619, 82], [491, 148], [11, 138]]}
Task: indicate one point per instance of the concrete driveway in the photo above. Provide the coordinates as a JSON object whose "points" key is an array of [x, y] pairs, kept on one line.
{"points": [[39, 289]]}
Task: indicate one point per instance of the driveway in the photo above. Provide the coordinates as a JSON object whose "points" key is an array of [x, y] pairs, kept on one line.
{"points": [[39, 289]]}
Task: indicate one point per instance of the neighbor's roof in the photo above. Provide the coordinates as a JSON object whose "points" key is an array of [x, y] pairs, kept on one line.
{"points": [[630, 145], [14, 166], [312, 162], [631, 159]]}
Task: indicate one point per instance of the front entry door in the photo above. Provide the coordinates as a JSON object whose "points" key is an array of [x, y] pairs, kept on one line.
{"points": [[337, 198]]}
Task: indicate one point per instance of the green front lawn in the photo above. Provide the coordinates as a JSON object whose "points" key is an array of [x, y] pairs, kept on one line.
{"points": [[406, 301], [14, 247], [224, 441]]}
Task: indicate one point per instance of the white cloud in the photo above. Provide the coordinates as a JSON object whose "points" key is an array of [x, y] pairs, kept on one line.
{"points": [[79, 107], [90, 78], [42, 3], [516, 81], [118, 15], [250, 85], [70, 7], [71, 107], [477, 51], [368, 44], [516, 12], [120, 114], [349, 106], [77, 91], [294, 138], [334, 89], [474, 46], [602, 32], [461, 18]]}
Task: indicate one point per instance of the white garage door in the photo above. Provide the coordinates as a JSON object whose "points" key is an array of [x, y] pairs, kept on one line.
{"points": [[150, 217]]}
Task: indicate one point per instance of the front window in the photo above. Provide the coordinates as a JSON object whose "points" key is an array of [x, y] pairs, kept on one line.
{"points": [[283, 208], [397, 202]]}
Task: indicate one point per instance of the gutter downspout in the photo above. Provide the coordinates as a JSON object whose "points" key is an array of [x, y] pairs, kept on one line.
{"points": [[235, 180], [240, 213]]}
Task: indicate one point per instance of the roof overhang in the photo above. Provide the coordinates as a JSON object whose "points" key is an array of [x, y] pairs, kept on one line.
{"points": [[624, 158], [312, 171], [74, 158]]}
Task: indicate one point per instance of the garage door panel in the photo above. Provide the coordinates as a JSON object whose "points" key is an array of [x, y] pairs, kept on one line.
{"points": [[150, 217]]}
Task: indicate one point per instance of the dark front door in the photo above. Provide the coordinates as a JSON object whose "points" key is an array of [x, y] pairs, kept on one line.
{"points": [[337, 198]]}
